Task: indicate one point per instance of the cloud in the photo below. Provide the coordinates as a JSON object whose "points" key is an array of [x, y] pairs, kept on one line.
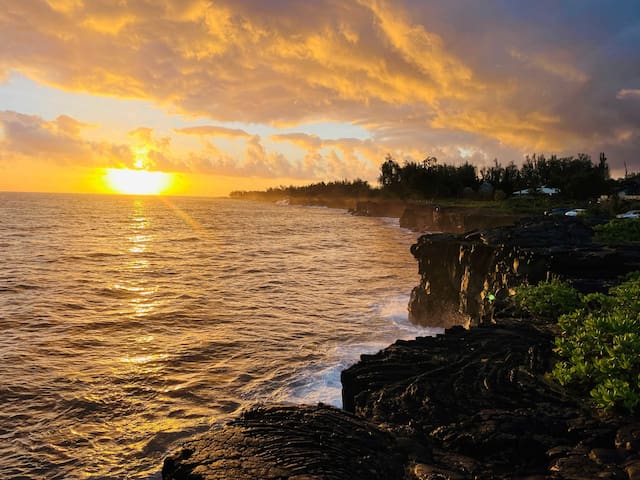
{"points": [[256, 162], [628, 93], [302, 140], [561, 67], [505, 76], [235, 60], [62, 141], [58, 141], [213, 131]]}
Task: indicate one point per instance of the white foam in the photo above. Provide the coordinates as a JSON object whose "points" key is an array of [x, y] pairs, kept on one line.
{"points": [[395, 223], [321, 383]]}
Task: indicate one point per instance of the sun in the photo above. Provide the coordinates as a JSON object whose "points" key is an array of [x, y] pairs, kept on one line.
{"points": [[137, 182]]}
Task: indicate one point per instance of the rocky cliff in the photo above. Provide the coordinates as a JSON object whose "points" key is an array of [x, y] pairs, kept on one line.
{"points": [[466, 405], [434, 218], [380, 208], [279, 442], [421, 217], [466, 278], [480, 405]]}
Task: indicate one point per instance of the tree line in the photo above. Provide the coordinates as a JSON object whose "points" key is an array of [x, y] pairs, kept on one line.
{"points": [[576, 177], [342, 188]]}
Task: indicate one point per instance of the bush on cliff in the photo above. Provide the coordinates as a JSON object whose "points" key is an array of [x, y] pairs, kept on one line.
{"points": [[548, 300], [619, 231], [599, 347]]}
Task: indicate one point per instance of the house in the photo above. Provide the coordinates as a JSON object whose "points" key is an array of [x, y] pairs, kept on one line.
{"points": [[630, 190]]}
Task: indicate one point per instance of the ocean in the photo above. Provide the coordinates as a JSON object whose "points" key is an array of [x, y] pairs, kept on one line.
{"points": [[130, 323]]}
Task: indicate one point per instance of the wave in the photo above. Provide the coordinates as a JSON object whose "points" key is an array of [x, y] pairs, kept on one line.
{"points": [[268, 304], [102, 255], [19, 287]]}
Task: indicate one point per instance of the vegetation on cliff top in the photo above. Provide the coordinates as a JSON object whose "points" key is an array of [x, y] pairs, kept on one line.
{"points": [[599, 343], [344, 188], [575, 178], [619, 231], [548, 300]]}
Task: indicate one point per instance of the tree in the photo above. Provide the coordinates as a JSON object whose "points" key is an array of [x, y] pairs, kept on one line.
{"points": [[390, 173]]}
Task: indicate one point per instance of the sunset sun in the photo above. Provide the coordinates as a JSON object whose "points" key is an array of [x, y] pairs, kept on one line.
{"points": [[137, 182]]}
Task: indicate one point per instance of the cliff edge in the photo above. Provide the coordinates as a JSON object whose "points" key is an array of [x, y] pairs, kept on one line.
{"points": [[465, 279]]}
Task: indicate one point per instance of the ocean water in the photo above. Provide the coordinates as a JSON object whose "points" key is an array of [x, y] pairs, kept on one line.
{"points": [[130, 323]]}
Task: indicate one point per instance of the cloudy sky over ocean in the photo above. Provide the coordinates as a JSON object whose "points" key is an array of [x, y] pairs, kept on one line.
{"points": [[248, 94]]}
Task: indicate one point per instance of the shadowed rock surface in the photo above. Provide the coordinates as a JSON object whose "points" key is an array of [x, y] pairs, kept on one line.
{"points": [[459, 273], [479, 399], [381, 208], [469, 404], [290, 442]]}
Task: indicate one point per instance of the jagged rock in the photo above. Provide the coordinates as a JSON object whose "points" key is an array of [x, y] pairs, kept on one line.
{"points": [[465, 278], [479, 398], [290, 442]]}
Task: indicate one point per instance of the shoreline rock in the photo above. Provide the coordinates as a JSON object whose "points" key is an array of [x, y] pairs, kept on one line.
{"points": [[479, 400], [421, 217], [468, 404], [294, 442], [465, 279], [451, 219]]}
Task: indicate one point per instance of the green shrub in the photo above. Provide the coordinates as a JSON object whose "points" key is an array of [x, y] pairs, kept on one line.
{"points": [[619, 231], [548, 300], [599, 347]]}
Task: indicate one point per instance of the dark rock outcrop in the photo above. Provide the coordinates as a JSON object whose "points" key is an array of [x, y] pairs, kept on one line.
{"points": [[380, 208], [465, 278], [421, 217], [434, 218], [469, 404], [290, 442], [479, 400]]}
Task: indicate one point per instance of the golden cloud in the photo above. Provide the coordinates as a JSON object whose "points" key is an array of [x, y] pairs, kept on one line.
{"points": [[302, 140], [58, 141], [62, 141], [394, 67], [214, 131]]}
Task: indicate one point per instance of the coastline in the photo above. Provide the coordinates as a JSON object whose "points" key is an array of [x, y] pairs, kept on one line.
{"points": [[466, 404]]}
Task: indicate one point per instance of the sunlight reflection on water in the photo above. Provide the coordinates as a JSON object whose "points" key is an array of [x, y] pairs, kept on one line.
{"points": [[134, 322]]}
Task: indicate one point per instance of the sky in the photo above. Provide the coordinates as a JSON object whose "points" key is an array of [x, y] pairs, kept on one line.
{"points": [[249, 94]]}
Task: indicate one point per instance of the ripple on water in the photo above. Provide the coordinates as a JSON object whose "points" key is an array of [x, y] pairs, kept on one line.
{"points": [[130, 323]]}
